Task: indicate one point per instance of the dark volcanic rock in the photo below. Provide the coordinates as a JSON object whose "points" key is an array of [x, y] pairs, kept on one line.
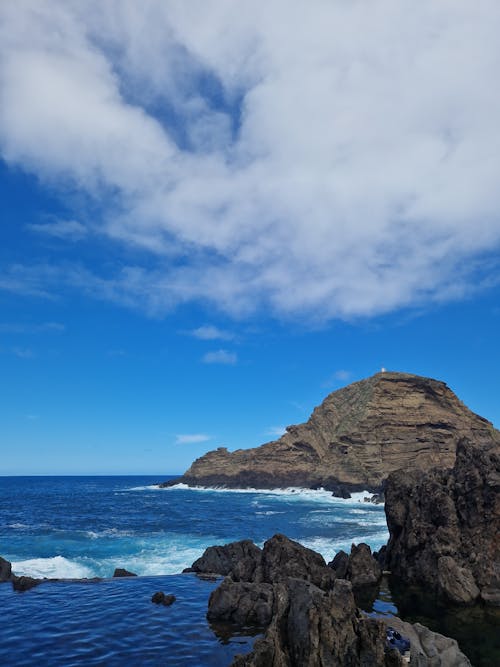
{"points": [[22, 584], [121, 572], [241, 603], [311, 628], [283, 558], [445, 524], [241, 555], [5, 570], [360, 568], [354, 439], [161, 598]]}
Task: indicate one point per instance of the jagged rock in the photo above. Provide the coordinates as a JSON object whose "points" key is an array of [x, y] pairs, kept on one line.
{"points": [[311, 628], [430, 649], [222, 559], [241, 603], [340, 563], [5, 570], [360, 567], [282, 558], [161, 598], [444, 525], [121, 572], [23, 583], [354, 439], [363, 569]]}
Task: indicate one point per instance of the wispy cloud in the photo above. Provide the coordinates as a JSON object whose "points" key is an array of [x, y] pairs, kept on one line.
{"points": [[331, 172], [29, 328], [220, 357], [276, 431], [23, 352], [210, 332], [191, 438], [340, 376], [70, 230]]}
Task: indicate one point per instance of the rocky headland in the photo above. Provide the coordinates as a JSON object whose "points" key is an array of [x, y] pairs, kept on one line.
{"points": [[354, 440]]}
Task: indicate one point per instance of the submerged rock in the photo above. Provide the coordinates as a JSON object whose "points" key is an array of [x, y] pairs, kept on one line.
{"points": [[354, 439], [444, 526], [161, 598], [23, 583]]}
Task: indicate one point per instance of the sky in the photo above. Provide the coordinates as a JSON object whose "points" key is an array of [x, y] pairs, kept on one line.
{"points": [[214, 213]]}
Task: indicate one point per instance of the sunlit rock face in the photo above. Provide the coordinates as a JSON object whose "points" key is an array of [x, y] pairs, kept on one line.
{"points": [[354, 439]]}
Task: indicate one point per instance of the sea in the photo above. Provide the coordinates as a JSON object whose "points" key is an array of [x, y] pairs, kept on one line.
{"points": [[85, 527]]}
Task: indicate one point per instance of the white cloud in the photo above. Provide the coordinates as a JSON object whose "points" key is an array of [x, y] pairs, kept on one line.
{"points": [[63, 229], [276, 431], [210, 332], [220, 357], [334, 159], [191, 438]]}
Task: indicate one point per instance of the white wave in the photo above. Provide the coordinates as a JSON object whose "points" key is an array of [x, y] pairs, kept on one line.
{"points": [[17, 526], [108, 532], [328, 548], [292, 492], [269, 512], [56, 567], [149, 487]]}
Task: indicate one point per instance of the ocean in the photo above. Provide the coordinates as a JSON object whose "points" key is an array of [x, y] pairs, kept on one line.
{"points": [[74, 527]]}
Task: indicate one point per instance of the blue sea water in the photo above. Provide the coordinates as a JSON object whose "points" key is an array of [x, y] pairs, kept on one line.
{"points": [[75, 527]]}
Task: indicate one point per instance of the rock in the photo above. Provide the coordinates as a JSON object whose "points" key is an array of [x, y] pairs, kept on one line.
{"points": [[120, 572], [23, 583], [241, 603], [223, 559], [160, 598], [311, 628], [362, 568], [340, 564], [444, 525], [430, 649], [354, 439], [283, 558], [5, 570]]}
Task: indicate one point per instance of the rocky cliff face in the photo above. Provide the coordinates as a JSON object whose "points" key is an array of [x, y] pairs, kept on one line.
{"points": [[445, 526], [354, 439]]}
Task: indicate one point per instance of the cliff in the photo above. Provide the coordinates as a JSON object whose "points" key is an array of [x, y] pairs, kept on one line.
{"points": [[354, 439]]}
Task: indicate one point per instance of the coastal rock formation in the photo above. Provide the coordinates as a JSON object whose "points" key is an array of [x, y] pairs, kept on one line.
{"points": [[354, 439], [360, 568], [444, 526], [430, 648], [121, 572], [5, 570], [223, 559], [162, 598], [311, 628]]}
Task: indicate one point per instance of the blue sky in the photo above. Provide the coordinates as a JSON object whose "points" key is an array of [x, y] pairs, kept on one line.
{"points": [[213, 215]]}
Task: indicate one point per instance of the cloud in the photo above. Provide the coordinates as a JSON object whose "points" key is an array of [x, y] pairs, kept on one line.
{"points": [[276, 431], [210, 332], [23, 328], [23, 352], [191, 438], [220, 357], [70, 230], [338, 376], [340, 163]]}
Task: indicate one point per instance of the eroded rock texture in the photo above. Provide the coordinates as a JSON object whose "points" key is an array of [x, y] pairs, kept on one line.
{"points": [[354, 439], [445, 526]]}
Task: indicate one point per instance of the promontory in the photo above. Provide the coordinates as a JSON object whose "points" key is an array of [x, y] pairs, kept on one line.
{"points": [[354, 439]]}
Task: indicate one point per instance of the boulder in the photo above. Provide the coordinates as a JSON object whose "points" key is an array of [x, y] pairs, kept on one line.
{"points": [[361, 568], [23, 583], [241, 603], [444, 526], [430, 649], [121, 572], [340, 563], [223, 559]]}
